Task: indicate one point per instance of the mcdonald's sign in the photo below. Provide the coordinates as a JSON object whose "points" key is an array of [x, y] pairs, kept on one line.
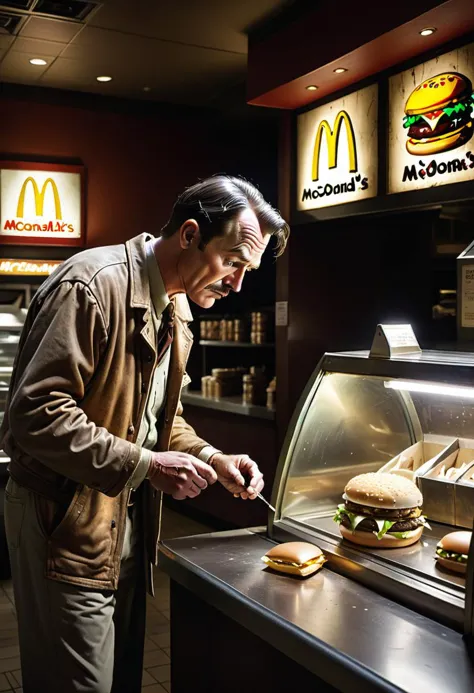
{"points": [[337, 151], [28, 268], [332, 138], [39, 197], [40, 204]]}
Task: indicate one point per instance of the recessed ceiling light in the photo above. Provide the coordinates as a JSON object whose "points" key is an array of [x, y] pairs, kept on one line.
{"points": [[340, 70], [38, 61], [312, 87], [104, 78], [428, 31]]}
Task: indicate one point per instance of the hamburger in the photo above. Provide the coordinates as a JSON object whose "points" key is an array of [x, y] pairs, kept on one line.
{"points": [[382, 511], [439, 114], [295, 558], [452, 551]]}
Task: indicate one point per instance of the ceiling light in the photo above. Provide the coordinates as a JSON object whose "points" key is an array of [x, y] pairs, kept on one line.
{"points": [[340, 70], [312, 87], [146, 88], [104, 78], [38, 61], [428, 31]]}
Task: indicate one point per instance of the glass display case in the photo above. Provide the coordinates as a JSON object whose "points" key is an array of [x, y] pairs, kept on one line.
{"points": [[5, 375], [12, 319], [11, 323], [412, 416]]}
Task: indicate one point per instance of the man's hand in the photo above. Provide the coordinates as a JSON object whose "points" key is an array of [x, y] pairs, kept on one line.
{"points": [[231, 470], [179, 474]]}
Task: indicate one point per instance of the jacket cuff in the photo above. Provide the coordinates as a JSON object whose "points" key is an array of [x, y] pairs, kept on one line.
{"points": [[141, 470], [207, 452]]}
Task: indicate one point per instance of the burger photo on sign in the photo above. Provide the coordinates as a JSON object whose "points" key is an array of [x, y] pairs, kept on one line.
{"points": [[439, 114], [382, 511]]}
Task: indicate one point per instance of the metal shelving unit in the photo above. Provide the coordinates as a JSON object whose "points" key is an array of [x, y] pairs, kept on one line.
{"points": [[219, 343], [231, 405], [212, 343]]}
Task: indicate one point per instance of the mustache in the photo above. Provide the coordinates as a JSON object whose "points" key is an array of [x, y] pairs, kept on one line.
{"points": [[219, 288]]}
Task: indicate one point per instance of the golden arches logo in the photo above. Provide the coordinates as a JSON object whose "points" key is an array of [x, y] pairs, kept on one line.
{"points": [[332, 139], [39, 197]]}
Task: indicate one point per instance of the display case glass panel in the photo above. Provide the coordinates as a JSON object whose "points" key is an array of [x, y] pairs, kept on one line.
{"points": [[407, 416]]}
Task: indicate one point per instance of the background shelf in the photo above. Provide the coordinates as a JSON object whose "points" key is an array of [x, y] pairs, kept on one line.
{"points": [[218, 343], [229, 404]]}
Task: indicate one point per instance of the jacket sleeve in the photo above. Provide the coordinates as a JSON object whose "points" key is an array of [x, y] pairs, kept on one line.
{"points": [[184, 437], [54, 368]]}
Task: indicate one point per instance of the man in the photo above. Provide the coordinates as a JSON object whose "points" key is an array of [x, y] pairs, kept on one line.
{"points": [[95, 433]]}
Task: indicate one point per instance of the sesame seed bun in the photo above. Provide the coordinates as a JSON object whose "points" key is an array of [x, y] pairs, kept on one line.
{"points": [[437, 92], [382, 490]]}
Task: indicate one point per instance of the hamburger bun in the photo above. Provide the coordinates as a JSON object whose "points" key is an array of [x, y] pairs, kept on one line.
{"points": [[436, 92], [440, 144], [453, 566], [388, 541], [383, 490], [455, 543], [295, 558]]}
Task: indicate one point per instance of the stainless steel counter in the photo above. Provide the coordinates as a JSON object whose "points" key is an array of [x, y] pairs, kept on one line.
{"points": [[347, 635]]}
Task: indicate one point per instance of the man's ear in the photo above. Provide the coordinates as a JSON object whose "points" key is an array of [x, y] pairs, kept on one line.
{"points": [[189, 234]]}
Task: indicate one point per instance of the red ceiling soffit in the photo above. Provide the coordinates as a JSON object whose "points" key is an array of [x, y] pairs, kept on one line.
{"points": [[304, 61]]}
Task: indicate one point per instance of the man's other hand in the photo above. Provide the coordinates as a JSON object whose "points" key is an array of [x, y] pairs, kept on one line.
{"points": [[179, 474], [238, 472]]}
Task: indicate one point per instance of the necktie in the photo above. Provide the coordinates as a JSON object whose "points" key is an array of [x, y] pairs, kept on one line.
{"points": [[166, 331]]}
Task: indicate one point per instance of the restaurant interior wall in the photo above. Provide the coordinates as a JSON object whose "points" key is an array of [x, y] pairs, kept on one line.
{"points": [[137, 160], [355, 267], [137, 157], [345, 276]]}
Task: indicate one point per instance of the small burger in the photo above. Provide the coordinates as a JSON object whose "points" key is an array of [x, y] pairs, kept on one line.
{"points": [[295, 558], [452, 551], [439, 114], [382, 511]]}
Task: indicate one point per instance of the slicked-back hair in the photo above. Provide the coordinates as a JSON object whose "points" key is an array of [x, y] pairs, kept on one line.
{"points": [[216, 201]]}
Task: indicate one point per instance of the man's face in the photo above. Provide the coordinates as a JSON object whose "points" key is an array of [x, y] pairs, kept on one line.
{"points": [[219, 268]]}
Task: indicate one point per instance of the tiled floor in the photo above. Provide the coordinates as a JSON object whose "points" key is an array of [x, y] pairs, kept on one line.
{"points": [[156, 663]]}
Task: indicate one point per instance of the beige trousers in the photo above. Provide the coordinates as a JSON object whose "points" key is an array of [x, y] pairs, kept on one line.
{"points": [[72, 640]]}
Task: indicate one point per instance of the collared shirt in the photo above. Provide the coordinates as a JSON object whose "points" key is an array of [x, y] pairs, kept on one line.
{"points": [[148, 433]]}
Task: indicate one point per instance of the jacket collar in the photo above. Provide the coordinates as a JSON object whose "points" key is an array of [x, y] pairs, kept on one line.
{"points": [[139, 283]]}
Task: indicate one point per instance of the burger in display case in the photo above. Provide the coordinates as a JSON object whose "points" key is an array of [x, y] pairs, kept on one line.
{"points": [[374, 461], [452, 552], [381, 510]]}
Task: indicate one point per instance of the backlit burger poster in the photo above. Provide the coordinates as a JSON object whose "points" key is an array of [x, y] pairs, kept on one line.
{"points": [[432, 123]]}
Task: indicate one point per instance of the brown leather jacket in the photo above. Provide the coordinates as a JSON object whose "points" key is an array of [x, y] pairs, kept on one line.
{"points": [[78, 392]]}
